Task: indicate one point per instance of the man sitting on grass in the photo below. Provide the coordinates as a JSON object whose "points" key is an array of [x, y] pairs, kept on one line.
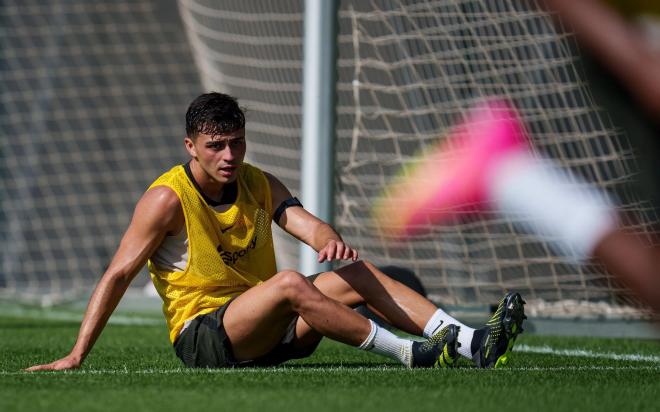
{"points": [[205, 229]]}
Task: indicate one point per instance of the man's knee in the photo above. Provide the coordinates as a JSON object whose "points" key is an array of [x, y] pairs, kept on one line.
{"points": [[294, 286]]}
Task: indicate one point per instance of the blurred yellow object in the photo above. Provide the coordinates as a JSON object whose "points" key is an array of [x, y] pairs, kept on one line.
{"points": [[636, 8]]}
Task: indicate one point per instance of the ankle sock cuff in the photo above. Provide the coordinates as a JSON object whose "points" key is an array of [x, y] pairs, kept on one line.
{"points": [[370, 338]]}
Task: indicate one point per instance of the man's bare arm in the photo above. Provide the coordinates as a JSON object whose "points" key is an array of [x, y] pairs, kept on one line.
{"points": [[308, 228], [157, 213], [617, 44]]}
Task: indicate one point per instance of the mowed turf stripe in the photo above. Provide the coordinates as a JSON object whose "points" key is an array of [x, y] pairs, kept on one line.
{"points": [[115, 319], [583, 353], [329, 369]]}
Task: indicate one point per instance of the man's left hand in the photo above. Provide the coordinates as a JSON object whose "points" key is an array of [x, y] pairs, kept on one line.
{"points": [[337, 250]]}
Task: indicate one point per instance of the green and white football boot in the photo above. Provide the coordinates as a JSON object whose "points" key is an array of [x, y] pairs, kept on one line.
{"points": [[492, 344], [439, 351]]}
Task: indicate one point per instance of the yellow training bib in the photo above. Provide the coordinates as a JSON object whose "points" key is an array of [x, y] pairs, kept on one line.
{"points": [[228, 252]]}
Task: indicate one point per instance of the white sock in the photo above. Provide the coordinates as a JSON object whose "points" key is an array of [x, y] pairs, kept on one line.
{"points": [[441, 319], [384, 342], [569, 213]]}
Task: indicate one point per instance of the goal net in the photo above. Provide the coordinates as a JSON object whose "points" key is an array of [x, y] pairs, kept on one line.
{"points": [[407, 71], [93, 101], [94, 94]]}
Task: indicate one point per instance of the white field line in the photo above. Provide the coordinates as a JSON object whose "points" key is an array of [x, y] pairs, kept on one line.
{"points": [[385, 368], [583, 353], [343, 369], [303, 369], [136, 320]]}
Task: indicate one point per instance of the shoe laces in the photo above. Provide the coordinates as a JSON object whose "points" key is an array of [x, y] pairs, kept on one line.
{"points": [[435, 340]]}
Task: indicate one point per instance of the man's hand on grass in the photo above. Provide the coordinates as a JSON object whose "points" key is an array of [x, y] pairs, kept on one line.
{"points": [[68, 362]]}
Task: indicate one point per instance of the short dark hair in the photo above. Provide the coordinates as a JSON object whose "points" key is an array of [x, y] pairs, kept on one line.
{"points": [[213, 114]]}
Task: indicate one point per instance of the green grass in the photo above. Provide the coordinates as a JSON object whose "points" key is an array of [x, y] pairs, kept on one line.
{"points": [[134, 368]]}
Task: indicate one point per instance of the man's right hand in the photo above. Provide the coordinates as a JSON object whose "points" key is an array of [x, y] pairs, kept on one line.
{"points": [[68, 362], [157, 213]]}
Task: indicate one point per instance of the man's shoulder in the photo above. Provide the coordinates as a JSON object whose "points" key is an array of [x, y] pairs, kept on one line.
{"points": [[165, 205], [175, 173], [162, 193], [249, 168], [252, 174], [257, 184]]}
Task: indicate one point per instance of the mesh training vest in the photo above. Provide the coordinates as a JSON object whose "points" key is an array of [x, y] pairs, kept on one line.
{"points": [[228, 252]]}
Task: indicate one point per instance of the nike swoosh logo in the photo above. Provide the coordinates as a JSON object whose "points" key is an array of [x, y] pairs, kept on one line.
{"points": [[437, 328], [226, 229]]}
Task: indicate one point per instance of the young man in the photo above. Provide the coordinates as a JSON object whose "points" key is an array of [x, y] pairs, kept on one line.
{"points": [[205, 228]]}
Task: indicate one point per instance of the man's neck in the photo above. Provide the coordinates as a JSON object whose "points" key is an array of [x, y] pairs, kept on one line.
{"points": [[211, 188]]}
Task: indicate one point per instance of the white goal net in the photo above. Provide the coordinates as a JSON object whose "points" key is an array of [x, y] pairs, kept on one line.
{"points": [[94, 96], [407, 71]]}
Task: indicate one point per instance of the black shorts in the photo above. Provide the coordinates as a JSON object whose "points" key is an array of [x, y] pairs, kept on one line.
{"points": [[204, 344]]}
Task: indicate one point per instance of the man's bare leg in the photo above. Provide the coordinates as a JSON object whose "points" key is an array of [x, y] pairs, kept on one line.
{"points": [[257, 320], [634, 262], [362, 283]]}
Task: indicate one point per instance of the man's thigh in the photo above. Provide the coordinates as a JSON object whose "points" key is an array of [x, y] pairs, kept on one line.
{"points": [[257, 320]]}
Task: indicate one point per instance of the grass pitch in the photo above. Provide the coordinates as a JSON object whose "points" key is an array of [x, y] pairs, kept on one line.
{"points": [[133, 367]]}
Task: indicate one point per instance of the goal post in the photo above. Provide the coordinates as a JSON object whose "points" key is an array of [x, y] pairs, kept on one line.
{"points": [[318, 118]]}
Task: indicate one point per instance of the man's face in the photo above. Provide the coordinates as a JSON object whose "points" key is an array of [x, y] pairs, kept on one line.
{"points": [[219, 155]]}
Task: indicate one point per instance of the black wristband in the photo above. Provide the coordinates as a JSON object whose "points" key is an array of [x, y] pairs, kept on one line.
{"points": [[293, 201]]}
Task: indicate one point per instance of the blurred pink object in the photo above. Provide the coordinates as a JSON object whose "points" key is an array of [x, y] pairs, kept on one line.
{"points": [[453, 178]]}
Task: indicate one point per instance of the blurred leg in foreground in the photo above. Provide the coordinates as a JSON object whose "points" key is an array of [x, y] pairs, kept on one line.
{"points": [[619, 50], [487, 161]]}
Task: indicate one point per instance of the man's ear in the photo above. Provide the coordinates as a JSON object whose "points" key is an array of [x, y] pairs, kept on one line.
{"points": [[190, 146]]}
